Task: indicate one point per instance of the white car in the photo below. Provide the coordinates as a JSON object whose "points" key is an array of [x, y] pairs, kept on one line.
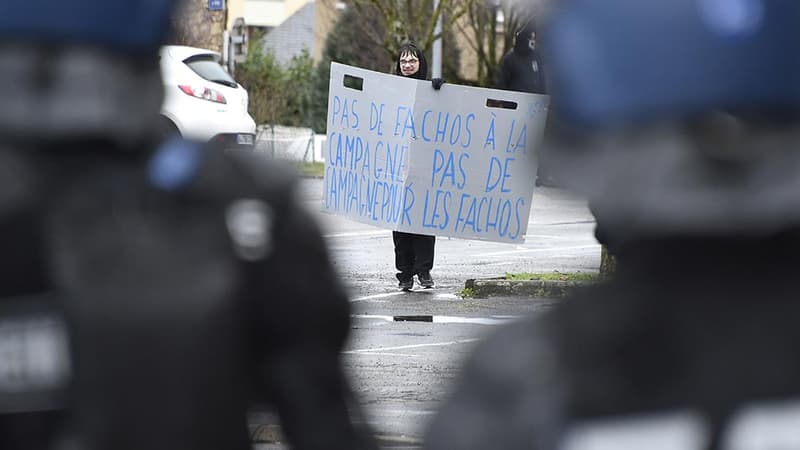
{"points": [[201, 100]]}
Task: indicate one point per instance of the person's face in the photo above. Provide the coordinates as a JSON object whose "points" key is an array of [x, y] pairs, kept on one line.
{"points": [[532, 41], [409, 64]]}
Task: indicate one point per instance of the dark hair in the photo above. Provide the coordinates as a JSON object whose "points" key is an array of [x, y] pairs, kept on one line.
{"points": [[410, 48]]}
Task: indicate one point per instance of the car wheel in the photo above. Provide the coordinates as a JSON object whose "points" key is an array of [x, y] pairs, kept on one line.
{"points": [[166, 129]]}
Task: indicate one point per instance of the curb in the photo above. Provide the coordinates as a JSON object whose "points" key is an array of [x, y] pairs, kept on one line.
{"points": [[266, 434], [384, 441], [272, 434], [500, 287]]}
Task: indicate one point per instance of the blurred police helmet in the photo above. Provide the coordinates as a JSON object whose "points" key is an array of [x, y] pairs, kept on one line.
{"points": [[81, 68], [679, 116]]}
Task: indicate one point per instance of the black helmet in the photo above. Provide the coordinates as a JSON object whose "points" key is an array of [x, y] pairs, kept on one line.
{"points": [[81, 67], [686, 112]]}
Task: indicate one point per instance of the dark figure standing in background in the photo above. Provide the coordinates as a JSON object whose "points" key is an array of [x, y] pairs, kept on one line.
{"points": [[521, 68], [414, 252], [151, 292], [693, 344]]}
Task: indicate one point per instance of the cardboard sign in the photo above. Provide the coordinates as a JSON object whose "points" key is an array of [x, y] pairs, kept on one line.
{"points": [[456, 162]]}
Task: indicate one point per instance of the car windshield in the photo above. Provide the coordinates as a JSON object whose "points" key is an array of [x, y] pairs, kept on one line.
{"points": [[207, 67]]}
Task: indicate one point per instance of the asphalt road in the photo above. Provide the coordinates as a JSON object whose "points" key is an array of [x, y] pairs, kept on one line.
{"points": [[560, 237], [401, 371]]}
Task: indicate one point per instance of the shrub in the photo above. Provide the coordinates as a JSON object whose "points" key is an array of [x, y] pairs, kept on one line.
{"points": [[279, 94]]}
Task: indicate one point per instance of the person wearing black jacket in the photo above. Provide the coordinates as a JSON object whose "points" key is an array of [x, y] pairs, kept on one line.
{"points": [[521, 68], [152, 292], [414, 252]]}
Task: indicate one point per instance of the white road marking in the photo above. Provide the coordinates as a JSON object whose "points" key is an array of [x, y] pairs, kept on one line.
{"points": [[405, 355], [544, 236], [404, 347], [538, 250], [377, 296], [369, 316], [473, 320], [415, 412], [444, 319]]}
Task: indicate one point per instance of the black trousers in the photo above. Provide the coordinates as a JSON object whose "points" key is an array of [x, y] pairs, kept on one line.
{"points": [[413, 253]]}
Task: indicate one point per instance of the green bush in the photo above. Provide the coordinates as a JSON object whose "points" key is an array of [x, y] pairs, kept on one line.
{"points": [[311, 169], [279, 94], [553, 276], [466, 293]]}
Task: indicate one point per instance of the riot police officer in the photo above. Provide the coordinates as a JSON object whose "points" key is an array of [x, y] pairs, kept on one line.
{"points": [[685, 139], [151, 292]]}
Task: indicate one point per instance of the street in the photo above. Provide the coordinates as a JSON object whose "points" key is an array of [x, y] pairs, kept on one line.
{"points": [[560, 237], [402, 370]]}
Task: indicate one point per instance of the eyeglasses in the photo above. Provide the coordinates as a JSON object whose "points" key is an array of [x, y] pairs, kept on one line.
{"points": [[410, 62]]}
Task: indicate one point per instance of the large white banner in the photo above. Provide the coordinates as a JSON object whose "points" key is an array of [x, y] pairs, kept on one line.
{"points": [[456, 162]]}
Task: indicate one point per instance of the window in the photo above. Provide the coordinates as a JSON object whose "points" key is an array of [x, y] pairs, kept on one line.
{"points": [[207, 67]]}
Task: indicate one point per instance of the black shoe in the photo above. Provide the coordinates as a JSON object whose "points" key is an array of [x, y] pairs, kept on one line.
{"points": [[425, 280], [406, 285]]}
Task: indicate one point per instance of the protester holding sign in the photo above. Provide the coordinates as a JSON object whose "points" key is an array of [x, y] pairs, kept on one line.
{"points": [[458, 162], [414, 252]]}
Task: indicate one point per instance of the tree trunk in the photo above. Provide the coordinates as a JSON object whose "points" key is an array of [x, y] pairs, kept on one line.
{"points": [[194, 25]]}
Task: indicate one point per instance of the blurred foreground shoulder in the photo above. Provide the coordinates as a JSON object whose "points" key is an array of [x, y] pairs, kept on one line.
{"points": [[508, 396], [212, 172]]}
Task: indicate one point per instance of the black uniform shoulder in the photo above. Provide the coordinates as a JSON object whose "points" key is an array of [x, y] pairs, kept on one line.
{"points": [[254, 194], [508, 396], [211, 172], [266, 174], [19, 179]]}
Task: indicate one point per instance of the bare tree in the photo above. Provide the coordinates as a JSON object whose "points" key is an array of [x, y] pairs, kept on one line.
{"points": [[194, 25], [488, 30], [408, 20], [487, 27]]}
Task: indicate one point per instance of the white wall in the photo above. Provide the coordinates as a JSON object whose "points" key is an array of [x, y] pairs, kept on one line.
{"points": [[269, 13], [264, 13]]}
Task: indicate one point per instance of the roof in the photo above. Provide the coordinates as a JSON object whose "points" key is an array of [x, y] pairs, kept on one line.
{"points": [[293, 35]]}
